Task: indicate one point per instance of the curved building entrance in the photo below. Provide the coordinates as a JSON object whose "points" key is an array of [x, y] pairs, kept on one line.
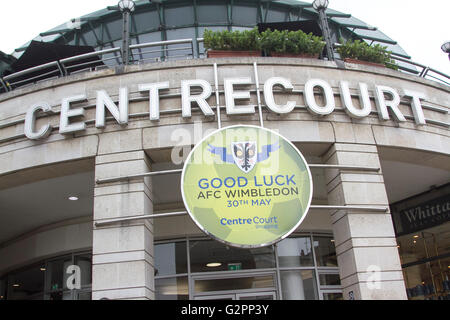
{"points": [[240, 286], [301, 267]]}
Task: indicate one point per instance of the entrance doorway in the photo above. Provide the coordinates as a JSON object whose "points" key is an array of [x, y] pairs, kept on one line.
{"points": [[240, 296], [236, 286]]}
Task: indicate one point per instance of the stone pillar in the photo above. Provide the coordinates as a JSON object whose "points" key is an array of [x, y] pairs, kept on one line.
{"points": [[123, 264], [365, 241]]}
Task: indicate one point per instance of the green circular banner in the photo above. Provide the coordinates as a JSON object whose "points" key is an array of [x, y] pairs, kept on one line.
{"points": [[246, 186]]}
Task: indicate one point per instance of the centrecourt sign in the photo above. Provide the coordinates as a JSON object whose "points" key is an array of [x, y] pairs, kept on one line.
{"points": [[387, 100]]}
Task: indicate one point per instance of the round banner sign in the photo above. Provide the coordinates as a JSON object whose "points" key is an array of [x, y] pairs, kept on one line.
{"points": [[246, 186]]}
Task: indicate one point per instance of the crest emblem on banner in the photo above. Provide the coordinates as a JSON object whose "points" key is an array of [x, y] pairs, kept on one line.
{"points": [[244, 155]]}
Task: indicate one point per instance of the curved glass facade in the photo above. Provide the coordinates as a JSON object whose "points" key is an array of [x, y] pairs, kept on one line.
{"points": [[67, 277], [182, 19], [302, 267]]}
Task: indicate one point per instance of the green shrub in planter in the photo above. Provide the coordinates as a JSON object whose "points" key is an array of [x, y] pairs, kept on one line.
{"points": [[291, 42], [360, 50], [247, 40]]}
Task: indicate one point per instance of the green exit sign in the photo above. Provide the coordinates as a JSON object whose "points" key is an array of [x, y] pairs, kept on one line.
{"points": [[234, 266]]}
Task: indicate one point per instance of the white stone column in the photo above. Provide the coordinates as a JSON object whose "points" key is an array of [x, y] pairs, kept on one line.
{"points": [[365, 241], [123, 264]]}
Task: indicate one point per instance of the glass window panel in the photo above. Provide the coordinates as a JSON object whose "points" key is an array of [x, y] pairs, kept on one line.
{"points": [[27, 284], [182, 33], [67, 295], [112, 31], [179, 16], [243, 283], [172, 289], [245, 15], [212, 13], [110, 58], [422, 245], [325, 251], [147, 54], [3, 289], [329, 279], [47, 280], [211, 255], [57, 295], [85, 264], [257, 297], [298, 285], [56, 274], [422, 286], [276, 16], [148, 37], [411, 248], [295, 252], [84, 295], [180, 51], [91, 38], [147, 20], [170, 258], [333, 296]]}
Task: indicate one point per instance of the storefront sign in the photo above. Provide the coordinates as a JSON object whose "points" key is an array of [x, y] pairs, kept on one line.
{"points": [[246, 186], [423, 216], [197, 92]]}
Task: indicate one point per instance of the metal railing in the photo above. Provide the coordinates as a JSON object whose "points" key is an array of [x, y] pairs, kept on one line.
{"points": [[164, 53], [76, 62], [60, 68], [156, 52]]}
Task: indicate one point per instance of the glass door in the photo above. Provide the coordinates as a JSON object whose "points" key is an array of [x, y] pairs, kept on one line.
{"points": [[332, 295], [257, 296], [235, 286], [240, 296], [217, 297]]}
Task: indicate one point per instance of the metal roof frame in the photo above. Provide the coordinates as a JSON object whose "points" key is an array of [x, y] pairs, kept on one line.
{"points": [[294, 10]]}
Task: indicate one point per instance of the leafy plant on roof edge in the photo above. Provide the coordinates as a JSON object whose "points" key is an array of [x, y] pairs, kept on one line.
{"points": [[247, 40], [291, 42], [360, 50]]}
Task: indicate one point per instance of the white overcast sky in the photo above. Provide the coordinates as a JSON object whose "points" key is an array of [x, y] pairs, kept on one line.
{"points": [[419, 26]]}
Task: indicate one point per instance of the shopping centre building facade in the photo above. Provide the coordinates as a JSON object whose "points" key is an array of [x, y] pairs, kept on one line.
{"points": [[86, 157]]}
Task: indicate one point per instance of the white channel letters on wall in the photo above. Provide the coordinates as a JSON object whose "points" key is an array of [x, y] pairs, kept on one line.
{"points": [[236, 90]]}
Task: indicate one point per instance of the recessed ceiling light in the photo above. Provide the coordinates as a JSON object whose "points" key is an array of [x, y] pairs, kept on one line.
{"points": [[73, 198], [214, 264]]}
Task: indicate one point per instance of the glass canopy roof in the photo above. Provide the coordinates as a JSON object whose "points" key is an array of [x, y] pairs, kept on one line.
{"points": [[160, 20]]}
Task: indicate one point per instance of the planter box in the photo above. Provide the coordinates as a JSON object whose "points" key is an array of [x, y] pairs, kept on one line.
{"points": [[230, 53], [293, 55], [367, 63]]}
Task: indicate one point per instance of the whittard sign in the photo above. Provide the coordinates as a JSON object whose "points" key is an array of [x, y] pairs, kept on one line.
{"points": [[246, 186], [422, 216], [198, 91]]}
